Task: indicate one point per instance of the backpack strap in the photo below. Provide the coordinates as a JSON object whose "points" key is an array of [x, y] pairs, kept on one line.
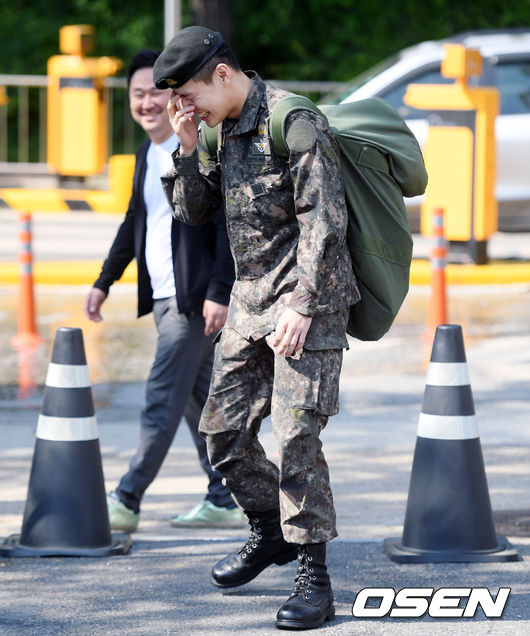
{"points": [[279, 114], [208, 137], [278, 117]]}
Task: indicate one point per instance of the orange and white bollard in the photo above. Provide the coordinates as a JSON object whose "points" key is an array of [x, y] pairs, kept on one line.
{"points": [[26, 335], [438, 258], [437, 309]]}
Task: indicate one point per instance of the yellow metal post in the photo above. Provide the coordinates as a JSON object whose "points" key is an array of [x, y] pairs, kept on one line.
{"points": [[460, 151], [78, 105]]}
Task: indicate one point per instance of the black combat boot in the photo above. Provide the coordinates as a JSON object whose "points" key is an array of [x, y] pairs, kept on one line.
{"points": [[264, 547], [311, 602]]}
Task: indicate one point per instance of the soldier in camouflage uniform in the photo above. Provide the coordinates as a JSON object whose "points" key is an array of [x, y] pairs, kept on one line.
{"points": [[280, 351]]}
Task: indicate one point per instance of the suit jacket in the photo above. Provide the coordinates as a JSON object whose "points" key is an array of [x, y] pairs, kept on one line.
{"points": [[202, 261]]}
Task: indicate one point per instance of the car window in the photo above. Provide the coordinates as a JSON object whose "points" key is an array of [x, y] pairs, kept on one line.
{"points": [[394, 96], [513, 82]]}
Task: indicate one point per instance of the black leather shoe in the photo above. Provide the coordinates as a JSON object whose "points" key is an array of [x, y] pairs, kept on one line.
{"points": [[311, 602], [264, 547]]}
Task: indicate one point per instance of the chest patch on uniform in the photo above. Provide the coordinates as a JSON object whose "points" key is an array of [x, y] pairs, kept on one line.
{"points": [[260, 146], [258, 190], [301, 136]]}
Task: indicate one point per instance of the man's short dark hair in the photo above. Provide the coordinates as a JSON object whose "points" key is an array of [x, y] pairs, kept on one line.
{"points": [[145, 58], [224, 55]]}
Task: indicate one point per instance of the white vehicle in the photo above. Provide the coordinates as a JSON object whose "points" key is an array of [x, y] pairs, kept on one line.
{"points": [[506, 56]]}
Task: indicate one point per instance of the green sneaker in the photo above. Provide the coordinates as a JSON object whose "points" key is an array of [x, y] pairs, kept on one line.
{"points": [[208, 515], [121, 517]]}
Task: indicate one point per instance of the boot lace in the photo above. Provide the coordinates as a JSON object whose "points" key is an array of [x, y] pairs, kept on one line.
{"points": [[253, 541], [304, 577]]}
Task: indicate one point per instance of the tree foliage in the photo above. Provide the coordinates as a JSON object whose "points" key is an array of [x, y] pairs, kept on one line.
{"points": [[336, 39], [29, 29], [291, 39]]}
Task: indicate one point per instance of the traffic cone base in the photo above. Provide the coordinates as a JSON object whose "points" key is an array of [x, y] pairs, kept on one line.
{"points": [[12, 547], [448, 516], [399, 553], [66, 507]]}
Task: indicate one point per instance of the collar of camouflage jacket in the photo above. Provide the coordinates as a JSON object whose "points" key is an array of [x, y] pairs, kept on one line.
{"points": [[252, 107]]}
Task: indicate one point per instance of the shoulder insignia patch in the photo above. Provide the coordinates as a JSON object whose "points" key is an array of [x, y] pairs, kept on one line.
{"points": [[301, 136]]}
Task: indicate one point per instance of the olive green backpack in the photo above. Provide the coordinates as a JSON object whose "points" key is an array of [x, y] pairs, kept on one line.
{"points": [[381, 163]]}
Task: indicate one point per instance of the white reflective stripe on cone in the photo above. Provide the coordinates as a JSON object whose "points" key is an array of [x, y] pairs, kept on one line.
{"points": [[68, 376], [447, 426], [447, 374], [67, 429]]}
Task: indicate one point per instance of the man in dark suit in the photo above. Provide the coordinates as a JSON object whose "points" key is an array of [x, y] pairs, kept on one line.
{"points": [[185, 276]]}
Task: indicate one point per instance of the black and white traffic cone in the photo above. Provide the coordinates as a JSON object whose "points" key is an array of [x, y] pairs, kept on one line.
{"points": [[448, 516], [66, 509]]}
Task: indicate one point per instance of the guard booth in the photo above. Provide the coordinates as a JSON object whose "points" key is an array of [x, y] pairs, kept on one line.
{"points": [[460, 152], [78, 105]]}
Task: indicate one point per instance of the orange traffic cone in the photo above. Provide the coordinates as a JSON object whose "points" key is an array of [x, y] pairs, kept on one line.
{"points": [[66, 509], [448, 516]]}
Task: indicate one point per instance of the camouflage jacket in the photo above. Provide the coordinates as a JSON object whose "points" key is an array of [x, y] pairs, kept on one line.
{"points": [[286, 218]]}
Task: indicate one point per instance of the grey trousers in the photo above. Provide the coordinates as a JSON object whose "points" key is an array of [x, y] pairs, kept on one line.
{"points": [[177, 385]]}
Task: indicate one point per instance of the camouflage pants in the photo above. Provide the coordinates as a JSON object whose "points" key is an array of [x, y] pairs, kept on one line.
{"points": [[250, 382]]}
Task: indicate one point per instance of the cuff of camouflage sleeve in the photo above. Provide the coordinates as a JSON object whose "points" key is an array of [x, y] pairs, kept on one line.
{"points": [[303, 301], [186, 166]]}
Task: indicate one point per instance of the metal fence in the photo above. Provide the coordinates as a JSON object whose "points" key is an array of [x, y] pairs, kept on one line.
{"points": [[23, 121]]}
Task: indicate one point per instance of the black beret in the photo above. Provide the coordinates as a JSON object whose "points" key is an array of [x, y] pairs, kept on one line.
{"points": [[186, 52]]}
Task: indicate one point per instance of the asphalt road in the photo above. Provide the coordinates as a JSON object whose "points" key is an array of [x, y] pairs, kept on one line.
{"points": [[162, 585]]}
